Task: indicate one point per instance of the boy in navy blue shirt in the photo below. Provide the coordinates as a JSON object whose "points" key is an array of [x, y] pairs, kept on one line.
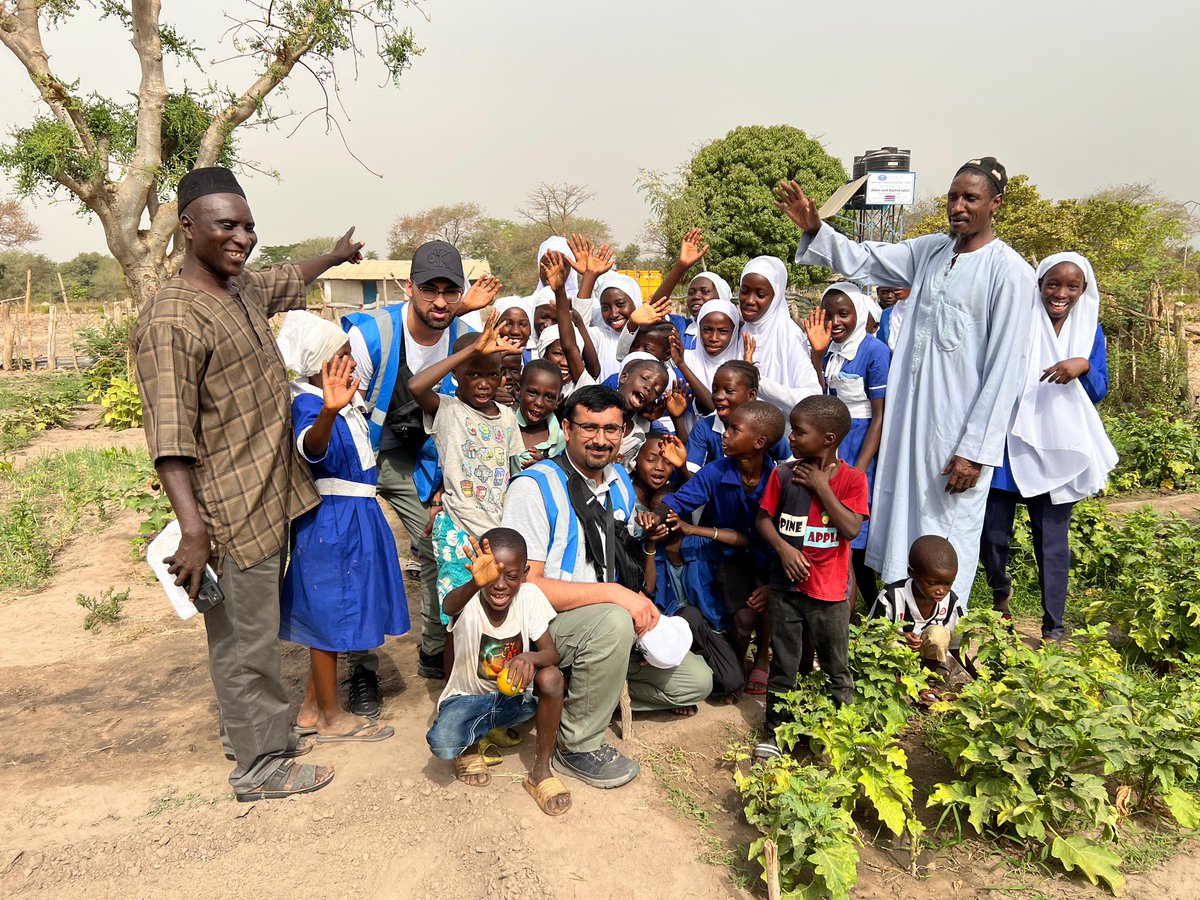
{"points": [[725, 571], [734, 383]]}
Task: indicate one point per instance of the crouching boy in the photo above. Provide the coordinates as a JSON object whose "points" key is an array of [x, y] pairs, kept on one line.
{"points": [[926, 609], [505, 667]]}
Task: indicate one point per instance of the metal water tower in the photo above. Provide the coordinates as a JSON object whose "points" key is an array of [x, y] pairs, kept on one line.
{"points": [[886, 184]]}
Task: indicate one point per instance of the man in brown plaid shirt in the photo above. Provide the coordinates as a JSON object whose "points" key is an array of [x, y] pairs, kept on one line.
{"points": [[218, 424]]}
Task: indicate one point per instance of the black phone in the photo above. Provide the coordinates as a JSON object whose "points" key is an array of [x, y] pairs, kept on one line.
{"points": [[210, 591]]}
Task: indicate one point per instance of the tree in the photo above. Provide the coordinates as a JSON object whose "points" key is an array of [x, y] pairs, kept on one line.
{"points": [[121, 159], [629, 256], [727, 190], [511, 247], [13, 266], [454, 223], [554, 205], [274, 254], [16, 228]]}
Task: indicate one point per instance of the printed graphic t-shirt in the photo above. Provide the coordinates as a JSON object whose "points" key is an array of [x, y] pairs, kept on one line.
{"points": [[474, 450], [801, 520], [482, 650]]}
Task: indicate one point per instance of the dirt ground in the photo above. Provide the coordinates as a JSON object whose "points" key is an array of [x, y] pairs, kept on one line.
{"points": [[112, 782]]}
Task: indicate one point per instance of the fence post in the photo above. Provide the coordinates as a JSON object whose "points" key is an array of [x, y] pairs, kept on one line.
{"points": [[52, 339], [6, 354], [29, 318], [1181, 352], [67, 320]]}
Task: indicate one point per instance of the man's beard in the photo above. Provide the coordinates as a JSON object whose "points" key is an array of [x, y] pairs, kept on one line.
{"points": [[423, 315]]}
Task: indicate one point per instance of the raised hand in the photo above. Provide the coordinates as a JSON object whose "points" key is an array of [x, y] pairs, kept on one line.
{"points": [[651, 312], [692, 248], [347, 249], [480, 563], [672, 448], [792, 201], [490, 341], [338, 383], [601, 260], [749, 345], [582, 248], [676, 349], [554, 269], [677, 404], [482, 292], [818, 328]]}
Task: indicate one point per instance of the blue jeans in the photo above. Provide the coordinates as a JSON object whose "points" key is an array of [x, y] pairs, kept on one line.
{"points": [[462, 721]]}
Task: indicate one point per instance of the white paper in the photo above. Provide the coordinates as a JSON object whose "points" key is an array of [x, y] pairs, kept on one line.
{"points": [[161, 547]]}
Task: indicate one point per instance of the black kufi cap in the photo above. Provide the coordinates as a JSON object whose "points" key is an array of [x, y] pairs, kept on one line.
{"points": [[212, 180], [989, 167]]}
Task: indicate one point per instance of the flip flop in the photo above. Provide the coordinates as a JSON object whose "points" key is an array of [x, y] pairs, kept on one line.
{"points": [[756, 683], [304, 730], [365, 733], [545, 791], [503, 737], [765, 751]]}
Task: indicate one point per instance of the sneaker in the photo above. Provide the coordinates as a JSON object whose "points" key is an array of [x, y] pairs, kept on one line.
{"points": [[431, 665], [364, 692], [413, 567], [604, 767]]}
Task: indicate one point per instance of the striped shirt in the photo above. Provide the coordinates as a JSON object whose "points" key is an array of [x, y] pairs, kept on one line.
{"points": [[214, 390]]}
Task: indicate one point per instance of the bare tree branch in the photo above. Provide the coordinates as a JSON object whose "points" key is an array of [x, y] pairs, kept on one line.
{"points": [[554, 205]]}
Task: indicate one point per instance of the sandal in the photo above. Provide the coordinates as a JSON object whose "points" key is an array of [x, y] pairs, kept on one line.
{"points": [[472, 764], [297, 745], [289, 779], [490, 753], [546, 790], [503, 737], [365, 733], [756, 683]]}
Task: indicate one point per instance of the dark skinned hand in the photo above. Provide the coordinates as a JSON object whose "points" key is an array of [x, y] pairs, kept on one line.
{"points": [[347, 249], [521, 671], [758, 598], [962, 475], [188, 561], [1066, 371], [791, 200]]}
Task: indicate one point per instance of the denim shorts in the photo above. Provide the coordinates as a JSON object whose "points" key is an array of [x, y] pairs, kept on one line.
{"points": [[463, 720]]}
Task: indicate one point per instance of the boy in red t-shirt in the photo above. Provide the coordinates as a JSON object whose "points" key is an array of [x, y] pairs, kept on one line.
{"points": [[810, 512]]}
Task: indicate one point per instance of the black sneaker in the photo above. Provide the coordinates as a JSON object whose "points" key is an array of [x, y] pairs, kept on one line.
{"points": [[604, 767], [431, 665], [364, 692]]}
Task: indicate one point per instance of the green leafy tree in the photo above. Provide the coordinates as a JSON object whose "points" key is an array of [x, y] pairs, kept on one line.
{"points": [[728, 191], [120, 159], [13, 266], [454, 223], [274, 254], [511, 247]]}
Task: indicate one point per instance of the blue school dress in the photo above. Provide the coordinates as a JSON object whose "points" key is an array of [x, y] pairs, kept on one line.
{"points": [[861, 380], [682, 322], [343, 589]]}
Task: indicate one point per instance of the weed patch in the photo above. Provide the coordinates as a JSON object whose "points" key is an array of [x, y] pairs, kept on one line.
{"points": [[105, 609], [29, 406]]}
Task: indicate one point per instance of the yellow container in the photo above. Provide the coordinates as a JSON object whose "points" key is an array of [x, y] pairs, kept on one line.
{"points": [[649, 280]]}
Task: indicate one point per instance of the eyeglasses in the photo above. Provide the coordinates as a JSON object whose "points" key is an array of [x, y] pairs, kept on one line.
{"points": [[429, 292], [591, 429]]}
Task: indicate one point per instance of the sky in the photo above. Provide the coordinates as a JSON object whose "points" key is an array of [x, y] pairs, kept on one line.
{"points": [[509, 93]]}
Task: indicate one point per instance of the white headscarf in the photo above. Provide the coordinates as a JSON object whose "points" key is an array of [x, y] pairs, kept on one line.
{"points": [[549, 335], [639, 355], [525, 304], [603, 335], [703, 365], [842, 352], [560, 244], [874, 310], [1057, 444], [724, 291], [782, 351], [306, 342]]}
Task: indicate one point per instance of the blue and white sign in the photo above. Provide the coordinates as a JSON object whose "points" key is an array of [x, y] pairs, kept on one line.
{"points": [[891, 189]]}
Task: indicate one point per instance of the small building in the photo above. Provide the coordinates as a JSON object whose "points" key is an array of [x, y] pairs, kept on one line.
{"points": [[378, 282]]}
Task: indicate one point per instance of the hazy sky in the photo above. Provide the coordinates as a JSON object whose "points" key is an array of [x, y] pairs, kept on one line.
{"points": [[1078, 95]]}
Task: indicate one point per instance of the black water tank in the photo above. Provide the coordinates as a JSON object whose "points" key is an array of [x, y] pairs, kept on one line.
{"points": [[886, 159], [859, 169]]}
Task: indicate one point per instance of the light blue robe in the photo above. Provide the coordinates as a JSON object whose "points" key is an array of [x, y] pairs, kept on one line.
{"points": [[956, 374]]}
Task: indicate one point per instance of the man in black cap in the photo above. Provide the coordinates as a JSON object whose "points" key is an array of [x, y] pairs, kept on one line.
{"points": [[218, 424], [390, 344]]}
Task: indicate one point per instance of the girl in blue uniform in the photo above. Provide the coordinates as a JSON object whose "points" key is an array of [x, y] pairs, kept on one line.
{"points": [[853, 366], [342, 590], [1057, 451]]}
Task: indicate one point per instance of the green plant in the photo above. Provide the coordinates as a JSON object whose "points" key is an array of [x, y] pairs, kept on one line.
{"points": [[1158, 449], [103, 609], [1035, 738], [34, 404], [122, 404], [109, 349]]}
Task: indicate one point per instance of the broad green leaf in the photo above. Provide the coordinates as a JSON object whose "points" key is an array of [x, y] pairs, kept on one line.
{"points": [[1093, 860], [1183, 807], [879, 791], [837, 866]]}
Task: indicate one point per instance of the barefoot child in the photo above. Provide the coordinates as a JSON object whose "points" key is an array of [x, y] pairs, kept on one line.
{"points": [[538, 394], [501, 628], [342, 590], [811, 510], [476, 438], [853, 366]]}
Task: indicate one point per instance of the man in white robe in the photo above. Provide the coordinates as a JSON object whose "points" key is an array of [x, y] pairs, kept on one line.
{"points": [[957, 368]]}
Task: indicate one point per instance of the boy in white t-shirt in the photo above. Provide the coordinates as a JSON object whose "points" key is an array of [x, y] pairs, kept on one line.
{"points": [[924, 605], [501, 629]]}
